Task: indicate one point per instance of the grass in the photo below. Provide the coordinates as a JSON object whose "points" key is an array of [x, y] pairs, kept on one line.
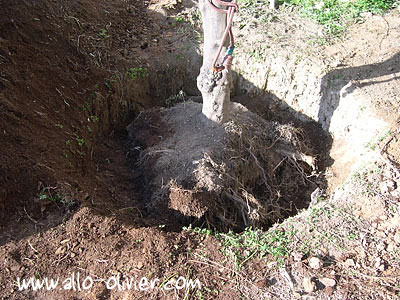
{"points": [[251, 243], [336, 15]]}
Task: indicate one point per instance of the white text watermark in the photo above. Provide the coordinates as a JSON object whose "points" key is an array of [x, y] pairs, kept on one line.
{"points": [[77, 282]]}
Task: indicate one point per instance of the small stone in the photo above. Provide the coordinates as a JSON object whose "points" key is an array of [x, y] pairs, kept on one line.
{"points": [[328, 282], [396, 238], [378, 262], [73, 254], [323, 251], [381, 233], [395, 194], [349, 263], [390, 247], [262, 283], [387, 186], [382, 267], [315, 263], [336, 254], [329, 291], [381, 246], [297, 256], [60, 250], [139, 265], [308, 285], [296, 295]]}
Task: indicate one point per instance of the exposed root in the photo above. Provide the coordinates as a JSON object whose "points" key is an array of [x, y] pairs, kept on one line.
{"points": [[248, 172]]}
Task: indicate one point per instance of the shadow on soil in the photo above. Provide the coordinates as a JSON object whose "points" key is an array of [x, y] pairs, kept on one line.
{"points": [[333, 83]]}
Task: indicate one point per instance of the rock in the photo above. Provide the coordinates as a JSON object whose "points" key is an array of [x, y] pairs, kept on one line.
{"points": [[396, 237], [297, 256], [328, 282], [308, 285], [139, 265], [390, 247], [315, 263], [323, 252], [387, 186], [329, 291], [262, 283], [378, 262], [60, 250], [382, 267], [349, 263], [381, 246]]}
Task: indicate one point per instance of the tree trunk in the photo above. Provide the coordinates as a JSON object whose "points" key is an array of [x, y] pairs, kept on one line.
{"points": [[214, 86]]}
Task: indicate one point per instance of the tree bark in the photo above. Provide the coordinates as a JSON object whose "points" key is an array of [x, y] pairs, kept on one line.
{"points": [[214, 86]]}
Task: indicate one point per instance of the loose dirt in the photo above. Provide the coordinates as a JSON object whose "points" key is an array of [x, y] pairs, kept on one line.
{"points": [[71, 193]]}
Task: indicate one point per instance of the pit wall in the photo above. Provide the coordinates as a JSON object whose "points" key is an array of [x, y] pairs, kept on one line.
{"points": [[319, 88]]}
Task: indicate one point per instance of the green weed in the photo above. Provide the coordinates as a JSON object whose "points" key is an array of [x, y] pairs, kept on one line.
{"points": [[135, 73], [174, 99], [336, 15]]}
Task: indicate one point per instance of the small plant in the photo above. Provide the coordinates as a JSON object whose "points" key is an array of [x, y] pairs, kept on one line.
{"points": [[93, 119], [179, 19], [109, 84], [79, 140], [47, 194], [254, 242], [50, 194], [135, 73], [103, 33], [86, 107], [174, 99]]}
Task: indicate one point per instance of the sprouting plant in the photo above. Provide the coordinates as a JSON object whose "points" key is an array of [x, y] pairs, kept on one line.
{"points": [[139, 72], [109, 84], [174, 99], [86, 107], [80, 140]]}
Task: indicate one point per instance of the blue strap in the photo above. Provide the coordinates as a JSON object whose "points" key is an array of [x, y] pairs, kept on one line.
{"points": [[229, 51]]}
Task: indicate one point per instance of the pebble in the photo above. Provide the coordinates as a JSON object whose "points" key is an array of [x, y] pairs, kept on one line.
{"points": [[315, 263], [60, 250], [308, 285], [396, 238], [139, 265], [387, 186], [297, 256], [378, 262], [328, 282], [381, 246], [390, 247], [349, 263]]}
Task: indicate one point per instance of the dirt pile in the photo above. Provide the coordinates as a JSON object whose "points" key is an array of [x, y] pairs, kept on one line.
{"points": [[247, 172]]}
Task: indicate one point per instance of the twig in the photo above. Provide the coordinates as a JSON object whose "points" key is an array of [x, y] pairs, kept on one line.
{"points": [[32, 219], [30, 245]]}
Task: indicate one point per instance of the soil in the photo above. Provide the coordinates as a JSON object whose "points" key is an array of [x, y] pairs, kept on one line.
{"points": [[248, 172], [68, 199]]}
